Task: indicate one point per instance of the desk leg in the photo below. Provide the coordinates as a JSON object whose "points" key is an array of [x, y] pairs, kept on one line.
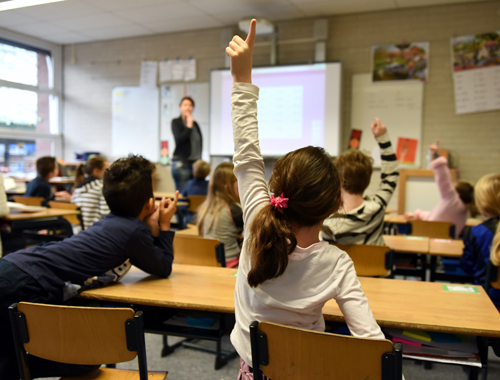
{"points": [[482, 345]]}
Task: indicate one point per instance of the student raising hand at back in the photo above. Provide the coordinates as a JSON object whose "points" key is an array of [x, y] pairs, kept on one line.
{"points": [[285, 274]]}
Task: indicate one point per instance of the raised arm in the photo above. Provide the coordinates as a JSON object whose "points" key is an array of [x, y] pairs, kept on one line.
{"points": [[248, 162], [389, 173]]}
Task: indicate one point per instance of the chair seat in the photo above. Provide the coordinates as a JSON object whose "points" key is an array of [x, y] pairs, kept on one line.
{"points": [[118, 374]]}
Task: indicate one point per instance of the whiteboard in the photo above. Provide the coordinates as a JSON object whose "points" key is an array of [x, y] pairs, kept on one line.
{"points": [[171, 96], [398, 105], [135, 121]]}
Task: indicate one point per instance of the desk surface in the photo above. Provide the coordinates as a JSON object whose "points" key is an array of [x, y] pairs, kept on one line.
{"points": [[395, 303], [408, 244], [161, 194], [16, 191], [55, 180], [445, 247], [48, 213], [399, 219]]}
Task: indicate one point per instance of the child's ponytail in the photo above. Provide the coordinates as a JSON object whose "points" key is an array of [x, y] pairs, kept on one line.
{"points": [[307, 185], [272, 242], [79, 174]]}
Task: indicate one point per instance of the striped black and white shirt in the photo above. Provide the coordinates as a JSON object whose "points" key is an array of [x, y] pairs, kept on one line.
{"points": [[91, 201], [365, 223]]}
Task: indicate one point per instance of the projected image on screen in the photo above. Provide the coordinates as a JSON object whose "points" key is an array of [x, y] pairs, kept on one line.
{"points": [[297, 106]]}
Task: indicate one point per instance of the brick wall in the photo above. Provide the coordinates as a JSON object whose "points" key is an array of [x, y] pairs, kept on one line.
{"points": [[474, 139]]}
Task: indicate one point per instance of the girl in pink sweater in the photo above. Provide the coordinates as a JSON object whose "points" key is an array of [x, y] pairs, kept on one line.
{"points": [[456, 200]]}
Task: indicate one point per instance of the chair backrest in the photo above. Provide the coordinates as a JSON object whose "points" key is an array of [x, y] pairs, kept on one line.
{"points": [[492, 276], [78, 335], [370, 260], [295, 354], [195, 250], [433, 230], [195, 201], [73, 219], [28, 201]]}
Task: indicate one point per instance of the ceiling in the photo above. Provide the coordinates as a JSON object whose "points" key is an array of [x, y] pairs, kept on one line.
{"points": [[75, 21]]}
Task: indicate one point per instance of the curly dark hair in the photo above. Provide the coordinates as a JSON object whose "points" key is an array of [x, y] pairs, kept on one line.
{"points": [[128, 185]]}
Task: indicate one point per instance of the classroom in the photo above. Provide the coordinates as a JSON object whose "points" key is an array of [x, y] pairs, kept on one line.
{"points": [[95, 80]]}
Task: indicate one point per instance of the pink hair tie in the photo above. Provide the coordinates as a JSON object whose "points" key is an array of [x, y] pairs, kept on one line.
{"points": [[279, 203]]}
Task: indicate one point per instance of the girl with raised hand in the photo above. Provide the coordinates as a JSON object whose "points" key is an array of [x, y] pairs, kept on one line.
{"points": [[285, 273]]}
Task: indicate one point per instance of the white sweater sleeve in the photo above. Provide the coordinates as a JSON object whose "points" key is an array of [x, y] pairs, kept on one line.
{"points": [[354, 304], [248, 162]]}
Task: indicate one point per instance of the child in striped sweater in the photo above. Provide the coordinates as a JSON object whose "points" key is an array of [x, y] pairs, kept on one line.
{"points": [[361, 220]]}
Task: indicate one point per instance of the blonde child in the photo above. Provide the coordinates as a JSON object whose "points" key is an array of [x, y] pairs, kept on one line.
{"points": [[220, 216], [285, 274], [456, 202], [88, 192], [478, 239], [198, 185]]}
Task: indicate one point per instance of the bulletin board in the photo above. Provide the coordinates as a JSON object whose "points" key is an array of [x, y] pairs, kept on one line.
{"points": [[171, 96], [398, 105]]}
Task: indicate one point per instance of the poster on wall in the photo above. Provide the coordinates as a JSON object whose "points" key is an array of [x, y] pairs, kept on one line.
{"points": [[476, 72], [400, 62]]}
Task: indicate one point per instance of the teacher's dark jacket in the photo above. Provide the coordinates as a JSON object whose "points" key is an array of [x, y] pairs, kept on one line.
{"points": [[182, 135]]}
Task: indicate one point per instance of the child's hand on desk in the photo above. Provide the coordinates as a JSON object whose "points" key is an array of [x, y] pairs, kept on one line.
{"points": [[378, 128], [167, 209], [240, 53]]}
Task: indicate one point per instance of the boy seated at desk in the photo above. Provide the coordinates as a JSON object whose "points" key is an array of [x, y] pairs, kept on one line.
{"points": [[361, 219], [46, 169], [136, 232]]}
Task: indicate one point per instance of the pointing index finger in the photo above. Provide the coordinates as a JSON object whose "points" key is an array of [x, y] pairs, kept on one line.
{"points": [[176, 197], [251, 33]]}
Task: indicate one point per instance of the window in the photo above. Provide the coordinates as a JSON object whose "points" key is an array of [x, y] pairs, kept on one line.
{"points": [[29, 103]]}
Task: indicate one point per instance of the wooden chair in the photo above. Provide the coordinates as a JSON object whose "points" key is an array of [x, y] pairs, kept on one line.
{"points": [[73, 219], [371, 260], [81, 335], [433, 230], [492, 277], [28, 201], [292, 353], [194, 250], [195, 201]]}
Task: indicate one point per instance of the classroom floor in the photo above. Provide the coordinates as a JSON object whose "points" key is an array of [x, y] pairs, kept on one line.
{"points": [[190, 364]]}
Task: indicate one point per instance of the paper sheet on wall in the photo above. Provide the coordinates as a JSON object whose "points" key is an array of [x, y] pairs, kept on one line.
{"points": [[149, 73], [178, 70], [165, 71], [476, 72], [190, 69]]}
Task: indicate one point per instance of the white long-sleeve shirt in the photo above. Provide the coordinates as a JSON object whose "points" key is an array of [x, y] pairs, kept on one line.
{"points": [[314, 274]]}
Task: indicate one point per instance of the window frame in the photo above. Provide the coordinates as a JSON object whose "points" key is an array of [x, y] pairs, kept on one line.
{"points": [[55, 50]]}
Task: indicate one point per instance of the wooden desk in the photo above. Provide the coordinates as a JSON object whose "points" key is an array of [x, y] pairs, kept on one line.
{"points": [[161, 194], [55, 180], [48, 213], [399, 219], [16, 191], [212, 289], [407, 244], [190, 231], [446, 247]]}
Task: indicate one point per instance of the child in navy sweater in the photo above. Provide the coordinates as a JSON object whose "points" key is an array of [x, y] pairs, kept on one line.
{"points": [[136, 232]]}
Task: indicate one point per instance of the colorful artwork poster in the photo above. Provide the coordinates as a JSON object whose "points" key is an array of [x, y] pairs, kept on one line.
{"points": [[405, 61], [355, 139], [475, 51], [406, 151]]}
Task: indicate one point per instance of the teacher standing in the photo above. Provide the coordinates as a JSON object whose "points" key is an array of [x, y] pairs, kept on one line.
{"points": [[188, 144]]}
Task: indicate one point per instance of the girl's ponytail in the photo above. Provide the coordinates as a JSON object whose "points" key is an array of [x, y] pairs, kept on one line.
{"points": [[309, 185], [272, 242], [80, 174]]}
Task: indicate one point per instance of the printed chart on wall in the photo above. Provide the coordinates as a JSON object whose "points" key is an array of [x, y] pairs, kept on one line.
{"points": [[476, 72], [399, 106], [171, 96]]}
